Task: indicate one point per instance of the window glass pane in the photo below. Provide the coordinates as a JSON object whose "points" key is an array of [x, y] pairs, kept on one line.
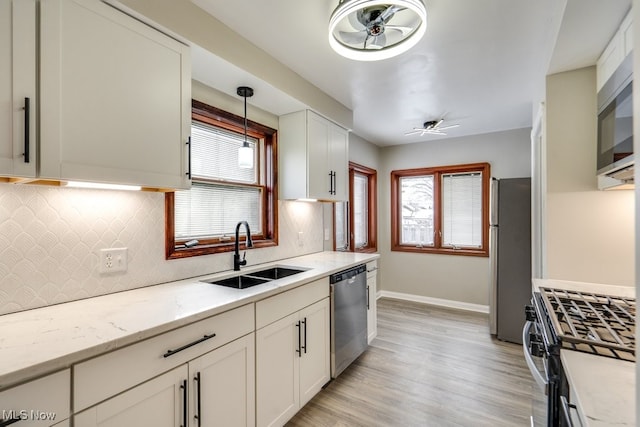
{"points": [[360, 210], [416, 206], [341, 231], [462, 210], [214, 154], [211, 210]]}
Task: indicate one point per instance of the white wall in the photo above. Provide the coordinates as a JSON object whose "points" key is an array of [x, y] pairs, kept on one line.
{"points": [[449, 277], [589, 233]]}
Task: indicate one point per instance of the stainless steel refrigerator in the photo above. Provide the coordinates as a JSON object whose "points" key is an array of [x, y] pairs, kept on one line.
{"points": [[510, 256]]}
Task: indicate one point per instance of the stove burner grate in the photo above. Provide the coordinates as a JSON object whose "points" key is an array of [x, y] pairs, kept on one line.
{"points": [[593, 323]]}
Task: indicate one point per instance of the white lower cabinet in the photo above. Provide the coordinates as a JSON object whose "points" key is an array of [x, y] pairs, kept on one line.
{"points": [[223, 386], [292, 362], [43, 402], [159, 402], [216, 389], [372, 312]]}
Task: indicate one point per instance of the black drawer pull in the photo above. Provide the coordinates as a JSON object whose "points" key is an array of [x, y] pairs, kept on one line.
{"points": [[188, 143], [27, 116], [9, 421], [186, 346]]}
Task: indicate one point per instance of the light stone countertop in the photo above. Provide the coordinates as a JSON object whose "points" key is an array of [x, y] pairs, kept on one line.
{"points": [[604, 388], [41, 341]]}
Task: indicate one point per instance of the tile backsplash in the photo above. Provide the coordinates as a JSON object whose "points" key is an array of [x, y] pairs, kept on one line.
{"points": [[50, 239]]}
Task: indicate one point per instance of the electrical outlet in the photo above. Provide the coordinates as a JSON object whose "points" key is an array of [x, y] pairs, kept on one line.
{"points": [[113, 260]]}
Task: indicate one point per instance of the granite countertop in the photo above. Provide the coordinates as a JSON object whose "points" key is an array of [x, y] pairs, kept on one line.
{"points": [[603, 388], [40, 341]]}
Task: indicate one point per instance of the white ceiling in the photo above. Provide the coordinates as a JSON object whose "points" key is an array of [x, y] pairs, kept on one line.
{"points": [[481, 64]]}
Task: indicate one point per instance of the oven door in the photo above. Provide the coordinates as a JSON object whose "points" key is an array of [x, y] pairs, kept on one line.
{"points": [[540, 414]]}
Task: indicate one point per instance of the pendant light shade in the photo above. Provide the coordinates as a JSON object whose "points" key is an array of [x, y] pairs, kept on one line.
{"points": [[371, 30], [245, 153]]}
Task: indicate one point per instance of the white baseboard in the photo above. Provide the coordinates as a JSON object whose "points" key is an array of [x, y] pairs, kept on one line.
{"points": [[459, 305]]}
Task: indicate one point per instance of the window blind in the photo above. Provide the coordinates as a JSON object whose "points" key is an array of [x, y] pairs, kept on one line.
{"points": [[462, 210], [210, 210], [417, 210], [341, 232], [360, 210]]}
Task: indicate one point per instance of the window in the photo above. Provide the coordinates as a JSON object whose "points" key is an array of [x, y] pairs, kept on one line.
{"points": [[222, 194], [355, 222], [441, 210]]}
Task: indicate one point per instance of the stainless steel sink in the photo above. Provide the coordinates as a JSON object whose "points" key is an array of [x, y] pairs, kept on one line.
{"points": [[275, 273], [238, 282]]}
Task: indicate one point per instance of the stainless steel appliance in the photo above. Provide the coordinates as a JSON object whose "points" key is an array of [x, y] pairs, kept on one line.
{"points": [[559, 319], [510, 256], [348, 317], [615, 157]]}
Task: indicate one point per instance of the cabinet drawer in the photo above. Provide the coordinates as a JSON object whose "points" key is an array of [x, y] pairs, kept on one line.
{"points": [[276, 307], [104, 376], [41, 402], [372, 268]]}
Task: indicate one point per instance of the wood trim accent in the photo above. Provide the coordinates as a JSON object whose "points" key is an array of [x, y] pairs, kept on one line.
{"points": [[437, 172], [372, 208], [232, 122]]}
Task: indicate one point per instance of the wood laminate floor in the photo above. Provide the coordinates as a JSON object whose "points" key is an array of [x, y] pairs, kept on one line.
{"points": [[428, 366]]}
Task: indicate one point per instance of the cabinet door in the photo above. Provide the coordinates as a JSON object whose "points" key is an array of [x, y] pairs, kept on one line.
{"points": [[315, 363], [159, 402], [39, 403], [115, 97], [223, 392], [319, 180], [339, 161], [17, 83], [277, 371]]}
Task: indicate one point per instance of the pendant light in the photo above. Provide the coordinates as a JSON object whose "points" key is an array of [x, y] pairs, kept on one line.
{"points": [[371, 30], [245, 153]]}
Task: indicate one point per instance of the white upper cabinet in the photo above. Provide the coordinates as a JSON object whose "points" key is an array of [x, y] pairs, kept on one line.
{"points": [[17, 88], [619, 47], [313, 153], [115, 98]]}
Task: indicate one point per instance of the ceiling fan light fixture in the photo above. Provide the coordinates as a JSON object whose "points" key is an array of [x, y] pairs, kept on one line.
{"points": [[371, 30]]}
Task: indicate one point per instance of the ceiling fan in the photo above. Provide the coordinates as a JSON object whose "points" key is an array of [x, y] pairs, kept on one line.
{"points": [[363, 29], [432, 127]]}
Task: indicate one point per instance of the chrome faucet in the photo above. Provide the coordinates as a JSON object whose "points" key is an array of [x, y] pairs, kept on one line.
{"points": [[237, 262]]}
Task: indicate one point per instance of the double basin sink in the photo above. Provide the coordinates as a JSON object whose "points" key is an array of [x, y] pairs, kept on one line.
{"points": [[256, 277]]}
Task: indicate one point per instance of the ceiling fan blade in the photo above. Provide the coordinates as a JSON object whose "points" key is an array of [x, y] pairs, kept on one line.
{"points": [[379, 41], [357, 37], [355, 22], [448, 127], [403, 30]]}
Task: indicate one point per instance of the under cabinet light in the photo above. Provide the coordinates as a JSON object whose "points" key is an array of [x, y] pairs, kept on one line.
{"points": [[101, 186]]}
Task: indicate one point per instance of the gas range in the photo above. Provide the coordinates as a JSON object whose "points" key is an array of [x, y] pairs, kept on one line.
{"points": [[561, 319], [592, 323]]}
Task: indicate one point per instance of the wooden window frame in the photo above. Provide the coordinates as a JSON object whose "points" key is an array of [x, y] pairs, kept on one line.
{"points": [[174, 249], [372, 208], [437, 172]]}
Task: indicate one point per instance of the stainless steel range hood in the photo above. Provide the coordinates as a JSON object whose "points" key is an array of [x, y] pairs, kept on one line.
{"points": [[620, 177]]}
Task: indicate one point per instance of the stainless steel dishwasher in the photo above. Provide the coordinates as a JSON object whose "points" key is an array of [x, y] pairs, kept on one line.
{"points": [[348, 317]]}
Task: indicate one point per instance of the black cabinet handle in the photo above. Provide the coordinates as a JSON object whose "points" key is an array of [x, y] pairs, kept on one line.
{"points": [[183, 386], [186, 346], [299, 349], [189, 158], [198, 416], [27, 116], [9, 421], [305, 335]]}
